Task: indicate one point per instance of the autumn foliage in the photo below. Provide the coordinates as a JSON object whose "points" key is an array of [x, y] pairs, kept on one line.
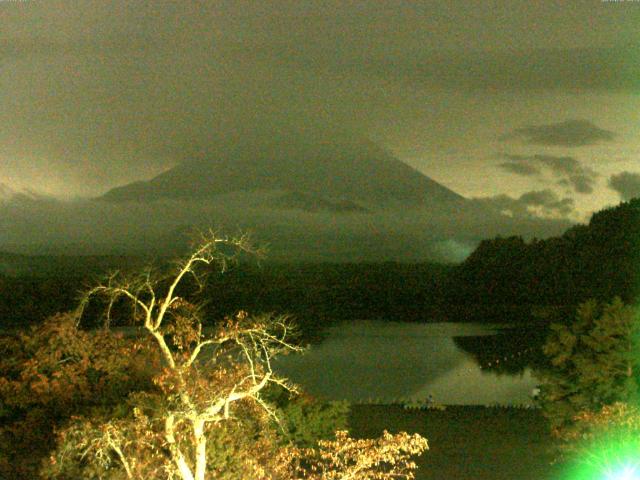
{"points": [[384, 458], [54, 371], [177, 398]]}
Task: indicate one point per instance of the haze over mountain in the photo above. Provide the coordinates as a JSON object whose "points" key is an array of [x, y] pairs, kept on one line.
{"points": [[6, 192], [311, 193], [9, 194], [326, 165]]}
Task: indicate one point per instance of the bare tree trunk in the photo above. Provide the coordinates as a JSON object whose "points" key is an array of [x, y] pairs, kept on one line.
{"points": [[178, 457], [201, 448]]}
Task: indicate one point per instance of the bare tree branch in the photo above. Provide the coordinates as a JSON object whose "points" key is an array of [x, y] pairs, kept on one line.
{"points": [[258, 340]]}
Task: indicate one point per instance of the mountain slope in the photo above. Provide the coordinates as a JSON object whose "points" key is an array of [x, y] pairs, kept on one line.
{"points": [[9, 194], [326, 164]]}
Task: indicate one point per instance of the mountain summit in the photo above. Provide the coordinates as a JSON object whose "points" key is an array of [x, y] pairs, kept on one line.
{"points": [[322, 164]]}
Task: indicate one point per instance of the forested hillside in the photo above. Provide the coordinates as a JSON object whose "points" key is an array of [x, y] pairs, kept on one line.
{"points": [[599, 260]]}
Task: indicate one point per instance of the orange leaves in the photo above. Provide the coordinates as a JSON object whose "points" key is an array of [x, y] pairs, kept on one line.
{"points": [[168, 380], [384, 458], [611, 417], [184, 390], [40, 385], [59, 365]]}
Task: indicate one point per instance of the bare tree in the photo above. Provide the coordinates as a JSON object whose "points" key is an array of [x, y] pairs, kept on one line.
{"points": [[203, 380], [203, 375]]}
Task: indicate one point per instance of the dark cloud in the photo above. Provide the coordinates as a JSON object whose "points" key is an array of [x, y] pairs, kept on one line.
{"points": [[521, 168], [559, 165], [534, 204], [582, 183], [570, 133], [570, 171], [102, 93], [627, 184], [549, 200]]}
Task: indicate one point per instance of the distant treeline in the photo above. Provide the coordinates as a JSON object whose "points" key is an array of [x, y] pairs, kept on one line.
{"points": [[313, 293], [503, 280], [317, 294]]}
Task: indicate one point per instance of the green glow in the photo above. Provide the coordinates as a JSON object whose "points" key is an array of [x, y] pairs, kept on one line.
{"points": [[608, 459], [629, 472]]}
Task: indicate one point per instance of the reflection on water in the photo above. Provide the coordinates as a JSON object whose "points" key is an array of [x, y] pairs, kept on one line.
{"points": [[510, 351], [389, 360]]}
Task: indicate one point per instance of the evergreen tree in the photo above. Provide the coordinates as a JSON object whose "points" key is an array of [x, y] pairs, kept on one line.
{"points": [[594, 363]]}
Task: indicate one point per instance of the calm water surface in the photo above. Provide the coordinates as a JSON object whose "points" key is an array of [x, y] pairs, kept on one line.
{"points": [[387, 361]]}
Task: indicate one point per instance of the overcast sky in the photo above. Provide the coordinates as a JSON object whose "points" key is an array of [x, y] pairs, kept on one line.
{"points": [[528, 103]]}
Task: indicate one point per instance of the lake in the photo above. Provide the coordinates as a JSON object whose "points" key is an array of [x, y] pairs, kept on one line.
{"points": [[387, 361]]}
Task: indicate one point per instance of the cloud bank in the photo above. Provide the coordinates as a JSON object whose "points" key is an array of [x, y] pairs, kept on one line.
{"points": [[570, 133], [568, 170], [530, 205], [97, 227], [101, 93]]}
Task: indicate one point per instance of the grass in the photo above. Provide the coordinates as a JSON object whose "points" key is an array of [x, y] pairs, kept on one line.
{"points": [[467, 443]]}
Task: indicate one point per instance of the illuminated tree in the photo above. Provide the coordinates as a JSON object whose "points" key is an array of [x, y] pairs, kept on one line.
{"points": [[53, 371], [210, 384], [345, 458], [204, 376]]}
